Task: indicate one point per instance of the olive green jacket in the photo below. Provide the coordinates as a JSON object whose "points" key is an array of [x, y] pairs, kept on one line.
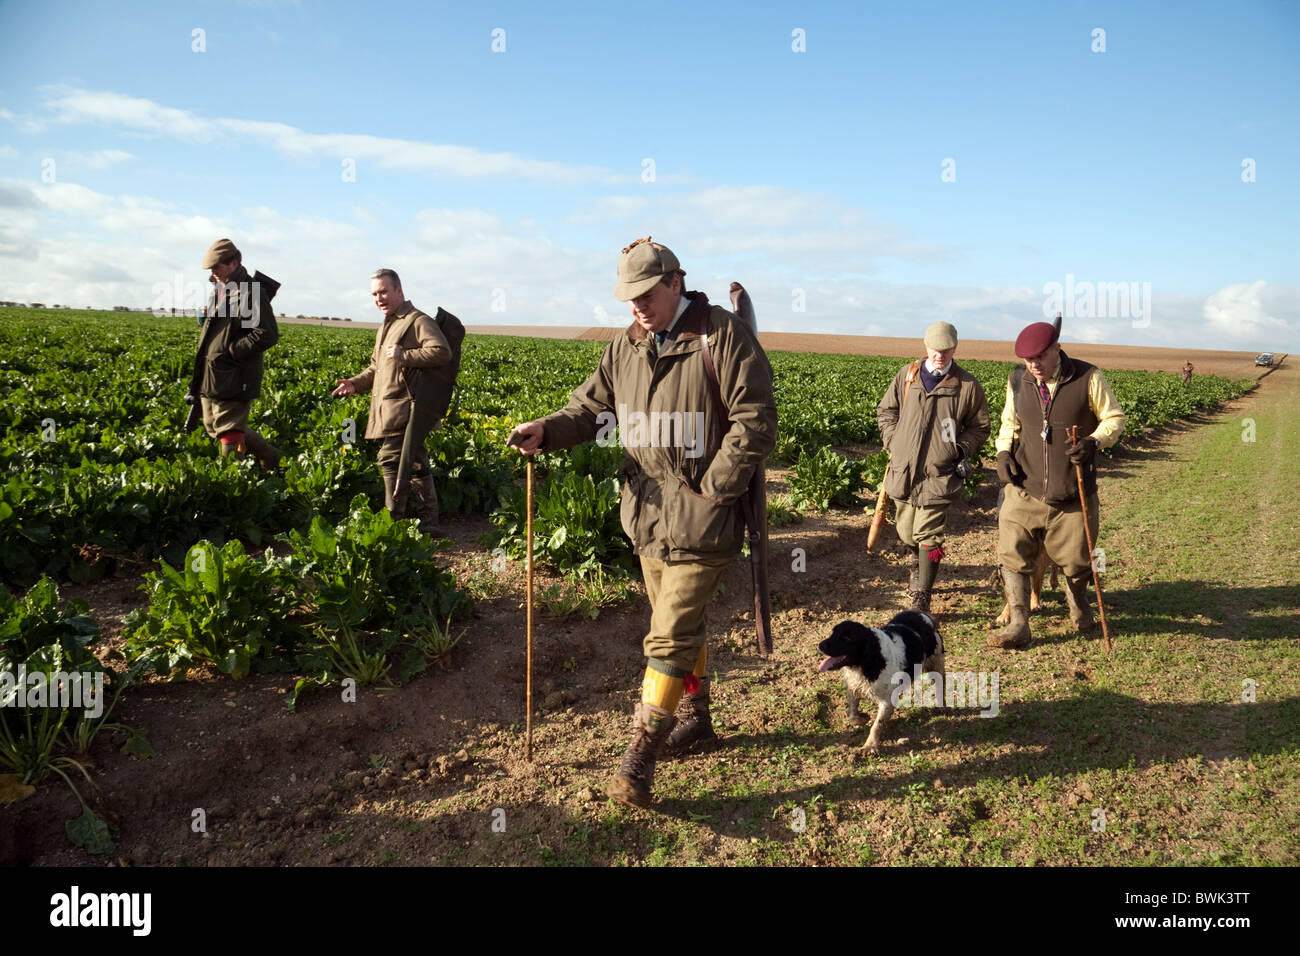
{"points": [[926, 435], [420, 371], [684, 466], [238, 326]]}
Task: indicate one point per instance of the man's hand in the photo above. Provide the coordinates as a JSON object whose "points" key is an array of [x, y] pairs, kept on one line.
{"points": [[1009, 469], [344, 389], [1082, 453], [394, 352], [527, 438]]}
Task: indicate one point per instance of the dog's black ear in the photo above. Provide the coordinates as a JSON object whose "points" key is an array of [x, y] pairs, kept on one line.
{"points": [[839, 639]]}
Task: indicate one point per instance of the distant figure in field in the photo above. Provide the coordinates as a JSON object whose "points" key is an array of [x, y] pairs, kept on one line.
{"points": [[1187, 373]]}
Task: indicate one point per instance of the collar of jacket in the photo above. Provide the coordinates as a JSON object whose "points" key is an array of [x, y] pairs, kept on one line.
{"points": [[1066, 370], [406, 309], [951, 381], [638, 336]]}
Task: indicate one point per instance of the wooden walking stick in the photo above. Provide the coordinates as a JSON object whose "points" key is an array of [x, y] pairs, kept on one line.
{"points": [[882, 500], [1073, 432], [528, 680]]}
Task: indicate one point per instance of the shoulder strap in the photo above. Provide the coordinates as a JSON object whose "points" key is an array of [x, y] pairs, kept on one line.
{"points": [[701, 328], [913, 371]]}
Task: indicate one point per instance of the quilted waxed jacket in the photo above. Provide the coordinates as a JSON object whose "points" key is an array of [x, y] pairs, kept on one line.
{"points": [[238, 326], [681, 482], [922, 434]]}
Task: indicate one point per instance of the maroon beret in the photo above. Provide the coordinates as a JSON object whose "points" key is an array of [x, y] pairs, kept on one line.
{"points": [[1034, 339]]}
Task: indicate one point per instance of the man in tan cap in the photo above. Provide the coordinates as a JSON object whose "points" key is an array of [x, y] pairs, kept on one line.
{"points": [[934, 419], [238, 326], [1046, 398], [410, 378], [681, 492]]}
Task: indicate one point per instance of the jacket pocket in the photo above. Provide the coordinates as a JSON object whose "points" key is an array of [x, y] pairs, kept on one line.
{"points": [[695, 523], [224, 378]]}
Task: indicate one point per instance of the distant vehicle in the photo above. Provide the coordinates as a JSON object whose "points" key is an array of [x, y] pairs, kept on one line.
{"points": [[1264, 358]]}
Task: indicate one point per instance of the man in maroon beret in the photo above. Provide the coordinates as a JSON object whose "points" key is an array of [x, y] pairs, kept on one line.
{"points": [[1051, 394]]}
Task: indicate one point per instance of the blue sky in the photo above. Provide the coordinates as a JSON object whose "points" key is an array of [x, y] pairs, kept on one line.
{"points": [[939, 161]]}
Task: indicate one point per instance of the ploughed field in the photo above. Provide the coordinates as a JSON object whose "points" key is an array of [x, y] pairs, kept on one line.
{"points": [[264, 590]]}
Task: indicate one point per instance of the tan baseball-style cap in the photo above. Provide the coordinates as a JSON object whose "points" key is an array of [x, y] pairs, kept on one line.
{"points": [[219, 251], [941, 336], [642, 264]]}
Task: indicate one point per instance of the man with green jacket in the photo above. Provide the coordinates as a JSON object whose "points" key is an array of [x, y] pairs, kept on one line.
{"points": [[933, 429], [690, 448], [238, 326]]}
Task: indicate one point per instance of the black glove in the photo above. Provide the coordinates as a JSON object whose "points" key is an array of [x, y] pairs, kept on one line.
{"points": [[1009, 469], [1082, 453], [963, 467]]}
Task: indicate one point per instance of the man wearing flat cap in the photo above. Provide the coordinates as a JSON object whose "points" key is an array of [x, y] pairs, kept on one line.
{"points": [[681, 362], [238, 326], [934, 420], [1050, 395]]}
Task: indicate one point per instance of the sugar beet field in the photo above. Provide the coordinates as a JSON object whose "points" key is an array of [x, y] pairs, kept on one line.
{"points": [[230, 611]]}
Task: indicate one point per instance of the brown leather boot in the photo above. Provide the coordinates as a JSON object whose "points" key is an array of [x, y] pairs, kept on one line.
{"points": [[426, 505], [1016, 634], [631, 785], [268, 456], [694, 724], [1076, 595]]}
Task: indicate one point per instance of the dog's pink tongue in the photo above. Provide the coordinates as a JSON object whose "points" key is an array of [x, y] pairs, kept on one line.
{"points": [[831, 663]]}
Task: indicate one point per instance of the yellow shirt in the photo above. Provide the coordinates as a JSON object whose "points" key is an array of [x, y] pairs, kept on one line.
{"points": [[1110, 417]]}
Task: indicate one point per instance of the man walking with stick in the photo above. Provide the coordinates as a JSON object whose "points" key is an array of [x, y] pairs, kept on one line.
{"points": [[698, 377], [934, 420], [1044, 470]]}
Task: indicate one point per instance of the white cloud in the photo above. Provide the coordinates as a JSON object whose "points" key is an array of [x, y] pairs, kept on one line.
{"points": [[1247, 311], [116, 109], [93, 159], [63, 242]]}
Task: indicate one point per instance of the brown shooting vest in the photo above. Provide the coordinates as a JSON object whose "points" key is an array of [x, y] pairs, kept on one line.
{"points": [[1049, 473]]}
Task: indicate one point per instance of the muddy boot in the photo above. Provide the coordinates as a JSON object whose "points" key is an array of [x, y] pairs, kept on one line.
{"points": [[927, 568], [694, 728], [426, 505], [1016, 634], [631, 785], [1076, 595], [268, 456]]}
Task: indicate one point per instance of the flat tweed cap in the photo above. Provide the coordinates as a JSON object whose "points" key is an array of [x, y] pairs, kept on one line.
{"points": [[941, 336], [219, 251], [1034, 339], [642, 264]]}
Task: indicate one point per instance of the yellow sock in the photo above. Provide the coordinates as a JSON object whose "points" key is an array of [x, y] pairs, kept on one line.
{"points": [[701, 662], [660, 688]]}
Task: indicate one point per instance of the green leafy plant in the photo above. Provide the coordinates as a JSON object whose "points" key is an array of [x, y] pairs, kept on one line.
{"points": [[576, 525], [783, 510], [826, 479], [376, 588], [51, 684], [587, 596], [222, 607]]}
